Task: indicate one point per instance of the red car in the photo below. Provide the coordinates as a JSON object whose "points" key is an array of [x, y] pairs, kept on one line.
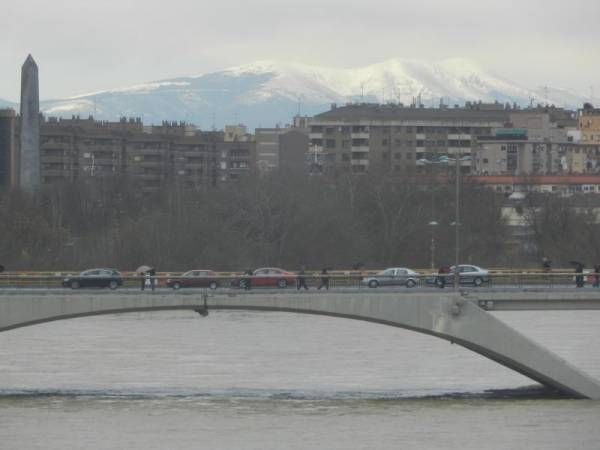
{"points": [[268, 276], [196, 279]]}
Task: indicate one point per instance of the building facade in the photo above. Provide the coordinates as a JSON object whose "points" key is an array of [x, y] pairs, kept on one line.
{"points": [[8, 167], [152, 156], [356, 137], [281, 147], [589, 124]]}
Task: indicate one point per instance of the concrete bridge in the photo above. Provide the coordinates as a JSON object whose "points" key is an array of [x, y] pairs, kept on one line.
{"points": [[461, 318]]}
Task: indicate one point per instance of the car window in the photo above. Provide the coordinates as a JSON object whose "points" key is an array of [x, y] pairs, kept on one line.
{"points": [[105, 273], [402, 272], [202, 273], [275, 272], [470, 269], [86, 273], [261, 272], [388, 272]]}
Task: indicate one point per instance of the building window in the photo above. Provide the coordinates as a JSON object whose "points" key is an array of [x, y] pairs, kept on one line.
{"points": [[330, 143], [397, 155]]}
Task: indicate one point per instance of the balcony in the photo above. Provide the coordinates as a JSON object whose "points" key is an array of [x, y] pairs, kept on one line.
{"points": [[150, 164], [359, 162], [360, 148], [420, 136], [360, 135], [459, 137], [315, 136], [55, 159]]}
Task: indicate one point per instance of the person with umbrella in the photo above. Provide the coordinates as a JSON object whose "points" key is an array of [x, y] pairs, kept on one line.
{"points": [[144, 272]]}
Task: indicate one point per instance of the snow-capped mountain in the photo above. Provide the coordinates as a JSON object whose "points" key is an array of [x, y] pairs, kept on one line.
{"points": [[267, 92]]}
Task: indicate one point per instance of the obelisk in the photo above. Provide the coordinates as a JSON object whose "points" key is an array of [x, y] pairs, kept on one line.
{"points": [[29, 161]]}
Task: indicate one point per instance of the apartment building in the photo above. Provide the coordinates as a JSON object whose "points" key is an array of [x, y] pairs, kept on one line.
{"points": [[399, 138], [511, 152], [281, 148], [75, 149], [8, 161], [589, 124]]}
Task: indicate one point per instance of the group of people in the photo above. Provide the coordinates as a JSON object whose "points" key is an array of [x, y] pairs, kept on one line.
{"points": [[301, 280], [579, 277], [147, 278]]}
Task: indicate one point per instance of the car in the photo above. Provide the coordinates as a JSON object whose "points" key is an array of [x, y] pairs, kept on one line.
{"points": [[468, 274], [267, 276], [393, 276], [195, 279], [100, 278]]}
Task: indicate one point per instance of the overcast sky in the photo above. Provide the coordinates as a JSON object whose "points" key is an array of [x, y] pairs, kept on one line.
{"points": [[84, 46]]}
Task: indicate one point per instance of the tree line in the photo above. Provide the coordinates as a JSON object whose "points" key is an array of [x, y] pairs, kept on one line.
{"points": [[282, 219]]}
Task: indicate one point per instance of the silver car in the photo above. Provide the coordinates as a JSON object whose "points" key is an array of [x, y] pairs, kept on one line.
{"points": [[468, 274], [394, 276]]}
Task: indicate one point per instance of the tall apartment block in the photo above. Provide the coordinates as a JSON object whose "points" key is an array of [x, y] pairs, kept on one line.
{"points": [[8, 165], [281, 148], [173, 152], [358, 136], [589, 124]]}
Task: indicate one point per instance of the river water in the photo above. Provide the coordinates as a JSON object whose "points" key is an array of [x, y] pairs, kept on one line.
{"points": [[239, 380]]}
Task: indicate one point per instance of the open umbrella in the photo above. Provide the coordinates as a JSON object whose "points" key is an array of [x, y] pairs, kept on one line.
{"points": [[576, 263], [143, 269]]}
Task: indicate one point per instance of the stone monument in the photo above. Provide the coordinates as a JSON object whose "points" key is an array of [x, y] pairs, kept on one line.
{"points": [[29, 161]]}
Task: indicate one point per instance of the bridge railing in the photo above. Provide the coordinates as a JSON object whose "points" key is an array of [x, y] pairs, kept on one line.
{"points": [[333, 280]]}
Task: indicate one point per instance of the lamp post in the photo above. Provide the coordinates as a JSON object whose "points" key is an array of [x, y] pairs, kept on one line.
{"points": [[445, 160], [433, 224]]}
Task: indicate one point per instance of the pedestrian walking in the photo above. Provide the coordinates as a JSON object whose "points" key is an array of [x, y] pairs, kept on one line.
{"points": [[246, 282], [143, 280], [324, 279], [441, 278], [152, 276], [578, 273], [546, 264], [597, 276], [301, 280]]}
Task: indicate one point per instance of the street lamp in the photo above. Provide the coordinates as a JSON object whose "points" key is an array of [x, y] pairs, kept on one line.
{"points": [[447, 160], [433, 224]]}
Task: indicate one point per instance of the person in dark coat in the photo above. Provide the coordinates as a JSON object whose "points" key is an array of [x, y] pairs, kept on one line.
{"points": [[152, 273], [246, 282], [441, 279], [301, 280], [546, 264], [597, 276], [324, 279], [143, 280], [579, 276]]}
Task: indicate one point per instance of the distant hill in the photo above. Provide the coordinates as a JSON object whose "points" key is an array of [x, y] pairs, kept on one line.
{"points": [[267, 93]]}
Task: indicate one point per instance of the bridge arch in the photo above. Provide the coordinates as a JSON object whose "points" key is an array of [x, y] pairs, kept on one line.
{"points": [[446, 316]]}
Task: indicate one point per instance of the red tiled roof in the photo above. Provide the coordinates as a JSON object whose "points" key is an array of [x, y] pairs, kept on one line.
{"points": [[540, 179]]}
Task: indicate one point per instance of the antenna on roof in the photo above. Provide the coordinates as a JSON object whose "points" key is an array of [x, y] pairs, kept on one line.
{"points": [[362, 92], [546, 93], [214, 126]]}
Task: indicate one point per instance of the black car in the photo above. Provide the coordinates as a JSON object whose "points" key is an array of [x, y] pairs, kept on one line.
{"points": [[101, 278]]}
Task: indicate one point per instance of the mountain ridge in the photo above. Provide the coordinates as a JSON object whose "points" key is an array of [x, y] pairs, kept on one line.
{"points": [[267, 92]]}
